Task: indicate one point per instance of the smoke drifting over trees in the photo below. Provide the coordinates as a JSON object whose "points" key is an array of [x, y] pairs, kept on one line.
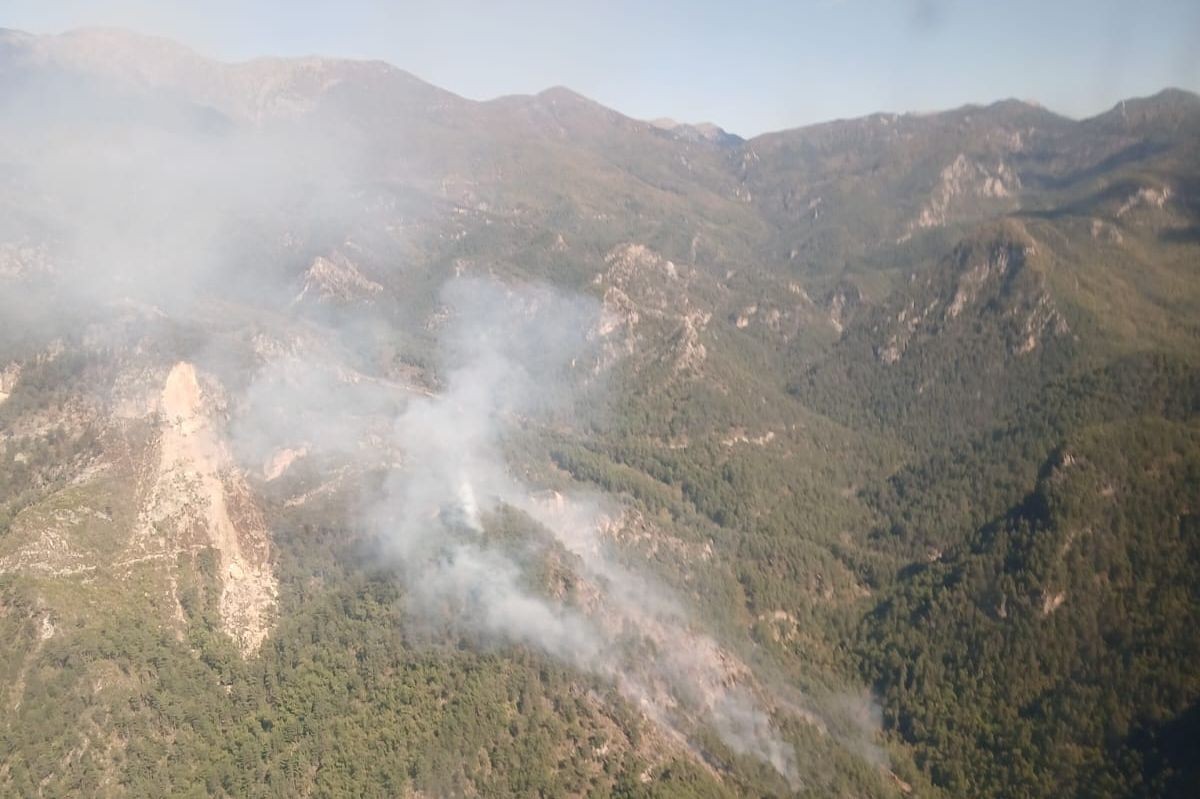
{"points": [[147, 203]]}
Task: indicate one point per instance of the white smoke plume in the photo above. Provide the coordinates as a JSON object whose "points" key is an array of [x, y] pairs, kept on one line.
{"points": [[204, 217], [512, 358], [509, 356]]}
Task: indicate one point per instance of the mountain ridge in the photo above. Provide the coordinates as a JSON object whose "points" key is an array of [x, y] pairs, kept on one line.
{"points": [[113, 41]]}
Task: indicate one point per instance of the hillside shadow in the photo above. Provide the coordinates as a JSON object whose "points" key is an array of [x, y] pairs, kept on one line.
{"points": [[1140, 151], [1181, 235], [1172, 748]]}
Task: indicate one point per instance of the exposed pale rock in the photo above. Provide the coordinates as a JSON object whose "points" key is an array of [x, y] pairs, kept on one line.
{"points": [[336, 279], [1146, 196], [962, 178], [8, 380], [281, 461], [24, 261], [641, 285], [1052, 602], [197, 488]]}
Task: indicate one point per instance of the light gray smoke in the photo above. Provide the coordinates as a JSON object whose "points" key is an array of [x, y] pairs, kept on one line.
{"points": [[511, 355], [513, 358], [149, 198]]}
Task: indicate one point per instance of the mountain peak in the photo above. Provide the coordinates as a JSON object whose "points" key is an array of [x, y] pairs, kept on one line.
{"points": [[1171, 107], [696, 132], [561, 94], [256, 89]]}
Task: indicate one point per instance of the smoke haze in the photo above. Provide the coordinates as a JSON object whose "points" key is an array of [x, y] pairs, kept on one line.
{"points": [[188, 214]]}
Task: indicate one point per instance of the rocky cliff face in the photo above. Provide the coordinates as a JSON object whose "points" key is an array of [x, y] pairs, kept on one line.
{"points": [[993, 276]]}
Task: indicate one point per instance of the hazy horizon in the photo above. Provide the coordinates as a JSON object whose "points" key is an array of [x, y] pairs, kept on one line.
{"points": [[759, 68]]}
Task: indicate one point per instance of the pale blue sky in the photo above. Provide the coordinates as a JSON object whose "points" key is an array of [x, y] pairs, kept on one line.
{"points": [[749, 66]]}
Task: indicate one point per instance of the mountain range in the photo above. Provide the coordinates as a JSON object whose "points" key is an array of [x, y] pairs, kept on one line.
{"points": [[357, 438]]}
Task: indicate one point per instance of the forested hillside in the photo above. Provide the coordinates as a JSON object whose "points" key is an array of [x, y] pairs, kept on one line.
{"points": [[360, 439]]}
